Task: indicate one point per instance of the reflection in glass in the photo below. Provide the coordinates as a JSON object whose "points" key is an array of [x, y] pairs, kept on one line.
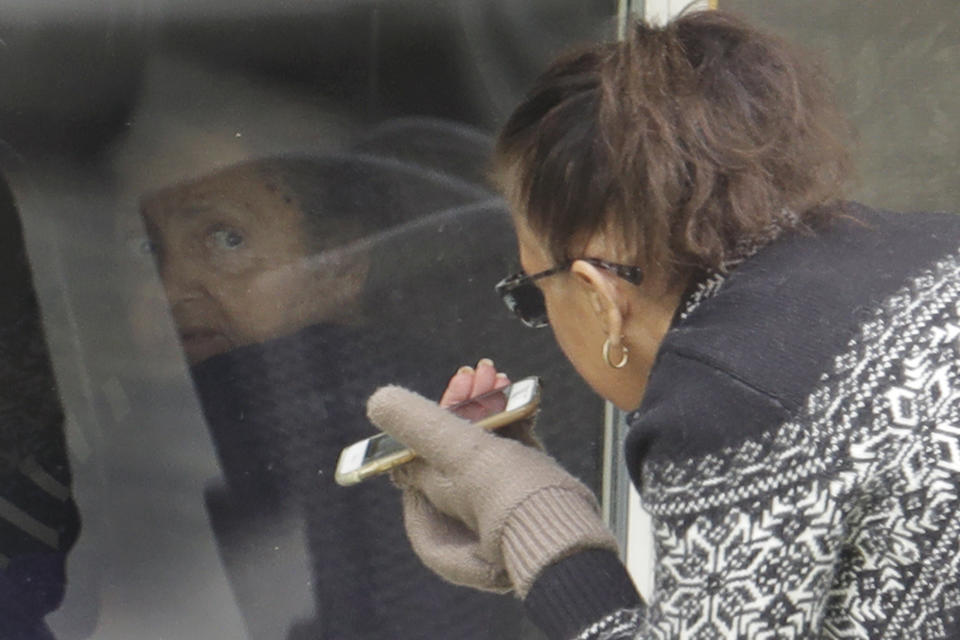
{"points": [[243, 218], [265, 266]]}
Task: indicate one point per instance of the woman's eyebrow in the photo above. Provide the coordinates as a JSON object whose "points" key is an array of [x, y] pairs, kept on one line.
{"points": [[198, 208]]}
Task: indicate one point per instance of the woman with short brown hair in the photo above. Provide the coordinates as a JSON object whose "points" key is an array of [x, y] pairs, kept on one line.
{"points": [[789, 360]]}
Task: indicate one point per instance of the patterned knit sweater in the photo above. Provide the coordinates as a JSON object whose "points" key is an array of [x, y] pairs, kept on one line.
{"points": [[798, 447]]}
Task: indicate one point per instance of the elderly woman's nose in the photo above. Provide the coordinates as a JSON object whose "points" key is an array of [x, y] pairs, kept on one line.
{"points": [[182, 278]]}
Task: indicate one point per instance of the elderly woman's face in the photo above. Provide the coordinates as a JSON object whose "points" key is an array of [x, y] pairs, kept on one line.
{"points": [[232, 254]]}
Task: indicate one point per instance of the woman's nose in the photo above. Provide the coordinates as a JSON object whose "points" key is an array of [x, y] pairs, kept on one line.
{"points": [[182, 278]]}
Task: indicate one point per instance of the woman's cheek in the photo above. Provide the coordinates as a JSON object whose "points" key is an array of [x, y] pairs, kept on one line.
{"points": [[273, 303]]}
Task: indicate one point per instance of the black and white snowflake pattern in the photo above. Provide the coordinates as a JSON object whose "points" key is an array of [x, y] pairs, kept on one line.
{"points": [[842, 523]]}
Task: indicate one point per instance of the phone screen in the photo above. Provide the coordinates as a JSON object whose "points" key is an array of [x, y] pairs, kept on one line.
{"points": [[382, 445], [482, 406]]}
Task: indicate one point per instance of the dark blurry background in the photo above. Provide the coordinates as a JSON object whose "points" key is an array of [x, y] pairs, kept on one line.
{"points": [[104, 103]]}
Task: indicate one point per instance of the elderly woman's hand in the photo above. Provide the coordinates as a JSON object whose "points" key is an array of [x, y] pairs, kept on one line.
{"points": [[483, 510]]}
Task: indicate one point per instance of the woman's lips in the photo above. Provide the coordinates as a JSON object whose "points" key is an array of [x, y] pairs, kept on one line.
{"points": [[200, 344]]}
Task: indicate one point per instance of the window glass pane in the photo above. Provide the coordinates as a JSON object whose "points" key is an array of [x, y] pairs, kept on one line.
{"points": [[895, 71], [224, 224]]}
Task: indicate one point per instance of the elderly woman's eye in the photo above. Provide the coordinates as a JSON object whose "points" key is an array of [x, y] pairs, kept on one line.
{"points": [[227, 238], [140, 246]]}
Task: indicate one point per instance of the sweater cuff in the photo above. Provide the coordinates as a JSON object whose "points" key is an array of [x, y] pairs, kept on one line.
{"points": [[579, 590], [553, 523]]}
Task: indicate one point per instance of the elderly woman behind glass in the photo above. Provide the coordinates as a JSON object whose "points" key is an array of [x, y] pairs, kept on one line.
{"points": [[273, 273]]}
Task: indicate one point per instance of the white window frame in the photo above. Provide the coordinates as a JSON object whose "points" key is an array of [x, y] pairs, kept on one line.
{"points": [[621, 503]]}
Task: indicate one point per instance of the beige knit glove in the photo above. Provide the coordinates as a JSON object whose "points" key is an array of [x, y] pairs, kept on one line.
{"points": [[483, 510]]}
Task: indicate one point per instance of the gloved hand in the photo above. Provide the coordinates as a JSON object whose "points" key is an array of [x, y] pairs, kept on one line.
{"points": [[483, 510]]}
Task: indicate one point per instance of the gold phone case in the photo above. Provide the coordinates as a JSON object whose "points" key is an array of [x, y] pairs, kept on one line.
{"points": [[495, 421]]}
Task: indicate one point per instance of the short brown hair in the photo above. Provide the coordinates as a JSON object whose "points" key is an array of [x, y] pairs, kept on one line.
{"points": [[688, 140]]}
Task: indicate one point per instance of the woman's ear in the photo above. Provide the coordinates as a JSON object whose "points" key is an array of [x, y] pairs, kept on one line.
{"points": [[601, 290]]}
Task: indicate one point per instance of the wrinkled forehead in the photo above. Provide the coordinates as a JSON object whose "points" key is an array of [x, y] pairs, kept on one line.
{"points": [[242, 191]]}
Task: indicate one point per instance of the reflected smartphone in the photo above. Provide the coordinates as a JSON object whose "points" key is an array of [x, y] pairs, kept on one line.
{"points": [[492, 410]]}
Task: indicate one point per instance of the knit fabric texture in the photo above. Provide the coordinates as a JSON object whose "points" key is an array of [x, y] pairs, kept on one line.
{"points": [[799, 444], [483, 510]]}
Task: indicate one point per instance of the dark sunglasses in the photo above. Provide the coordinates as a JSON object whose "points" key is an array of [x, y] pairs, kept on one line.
{"points": [[525, 300]]}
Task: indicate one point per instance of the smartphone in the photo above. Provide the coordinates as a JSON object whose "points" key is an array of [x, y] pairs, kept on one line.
{"points": [[492, 410]]}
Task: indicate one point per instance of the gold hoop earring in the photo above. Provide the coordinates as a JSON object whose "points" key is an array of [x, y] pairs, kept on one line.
{"points": [[624, 355]]}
